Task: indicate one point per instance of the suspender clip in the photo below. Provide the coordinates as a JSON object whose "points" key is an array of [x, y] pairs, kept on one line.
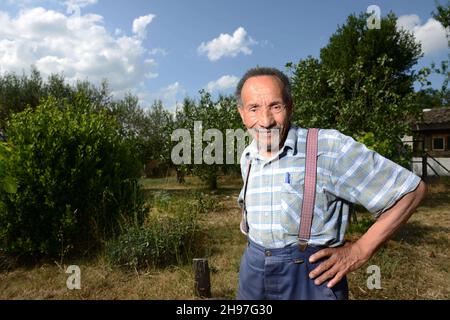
{"points": [[302, 245]]}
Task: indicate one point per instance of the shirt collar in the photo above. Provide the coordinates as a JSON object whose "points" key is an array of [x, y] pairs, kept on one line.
{"points": [[291, 138]]}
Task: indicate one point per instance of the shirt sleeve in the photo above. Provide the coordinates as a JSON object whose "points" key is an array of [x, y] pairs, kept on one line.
{"points": [[363, 176]]}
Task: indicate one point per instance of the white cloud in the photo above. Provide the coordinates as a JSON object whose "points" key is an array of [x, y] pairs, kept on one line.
{"points": [[171, 96], [223, 83], [228, 46], [160, 51], [432, 34], [80, 3], [73, 6], [140, 25], [24, 3], [78, 46], [171, 91], [408, 22], [266, 43]]}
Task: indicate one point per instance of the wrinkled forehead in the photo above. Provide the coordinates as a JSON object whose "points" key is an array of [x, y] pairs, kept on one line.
{"points": [[262, 90]]}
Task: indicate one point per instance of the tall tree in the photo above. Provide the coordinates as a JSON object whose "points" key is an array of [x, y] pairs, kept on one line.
{"points": [[442, 14], [218, 115], [156, 130], [18, 92], [362, 85]]}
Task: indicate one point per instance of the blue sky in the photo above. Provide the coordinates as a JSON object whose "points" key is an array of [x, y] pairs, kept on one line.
{"points": [[167, 49]]}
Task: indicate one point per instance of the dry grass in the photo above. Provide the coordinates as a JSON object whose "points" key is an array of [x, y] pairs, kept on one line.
{"points": [[414, 265]]}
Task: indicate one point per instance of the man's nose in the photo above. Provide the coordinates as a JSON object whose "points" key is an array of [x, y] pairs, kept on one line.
{"points": [[266, 119]]}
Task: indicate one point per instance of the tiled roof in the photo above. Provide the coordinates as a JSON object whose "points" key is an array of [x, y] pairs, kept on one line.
{"points": [[436, 115]]}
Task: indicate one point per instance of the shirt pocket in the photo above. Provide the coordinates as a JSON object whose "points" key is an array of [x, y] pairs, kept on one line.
{"points": [[291, 198]]}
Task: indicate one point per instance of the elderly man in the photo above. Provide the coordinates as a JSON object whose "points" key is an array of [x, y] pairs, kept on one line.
{"points": [[298, 185]]}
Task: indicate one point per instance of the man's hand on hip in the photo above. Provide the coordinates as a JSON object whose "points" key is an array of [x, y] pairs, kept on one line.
{"points": [[340, 261], [352, 256]]}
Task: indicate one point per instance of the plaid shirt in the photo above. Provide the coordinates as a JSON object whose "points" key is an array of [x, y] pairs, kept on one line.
{"points": [[347, 172]]}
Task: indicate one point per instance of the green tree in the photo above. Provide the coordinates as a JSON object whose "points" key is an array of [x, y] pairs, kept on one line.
{"points": [[148, 128], [362, 85], [158, 126], [443, 14], [432, 98], [7, 182], [220, 114], [19, 92], [184, 119]]}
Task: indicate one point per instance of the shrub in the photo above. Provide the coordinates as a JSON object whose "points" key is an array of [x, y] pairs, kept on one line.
{"points": [[164, 240], [205, 203], [170, 235], [77, 177], [162, 200], [7, 183]]}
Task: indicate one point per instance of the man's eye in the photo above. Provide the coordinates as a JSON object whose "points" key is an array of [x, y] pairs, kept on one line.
{"points": [[277, 108]]}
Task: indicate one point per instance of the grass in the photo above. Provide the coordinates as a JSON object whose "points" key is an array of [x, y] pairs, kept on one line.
{"points": [[191, 182], [415, 264]]}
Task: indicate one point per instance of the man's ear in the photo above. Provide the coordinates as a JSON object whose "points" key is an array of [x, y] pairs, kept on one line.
{"points": [[241, 112]]}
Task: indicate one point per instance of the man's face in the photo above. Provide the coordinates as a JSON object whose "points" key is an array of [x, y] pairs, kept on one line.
{"points": [[264, 111]]}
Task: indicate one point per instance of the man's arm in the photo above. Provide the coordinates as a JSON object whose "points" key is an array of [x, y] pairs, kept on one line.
{"points": [[350, 257]]}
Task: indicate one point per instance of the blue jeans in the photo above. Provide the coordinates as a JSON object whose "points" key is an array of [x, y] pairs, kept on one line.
{"points": [[282, 274]]}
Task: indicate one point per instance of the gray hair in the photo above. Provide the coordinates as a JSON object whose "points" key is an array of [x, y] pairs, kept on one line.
{"points": [[264, 71]]}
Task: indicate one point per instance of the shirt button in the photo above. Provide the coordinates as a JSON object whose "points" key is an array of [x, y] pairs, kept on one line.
{"points": [[268, 253]]}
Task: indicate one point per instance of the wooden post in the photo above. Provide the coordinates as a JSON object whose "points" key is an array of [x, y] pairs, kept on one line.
{"points": [[202, 279], [424, 166]]}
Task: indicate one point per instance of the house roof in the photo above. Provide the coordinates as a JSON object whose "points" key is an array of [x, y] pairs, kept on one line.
{"points": [[436, 118], [437, 115]]}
